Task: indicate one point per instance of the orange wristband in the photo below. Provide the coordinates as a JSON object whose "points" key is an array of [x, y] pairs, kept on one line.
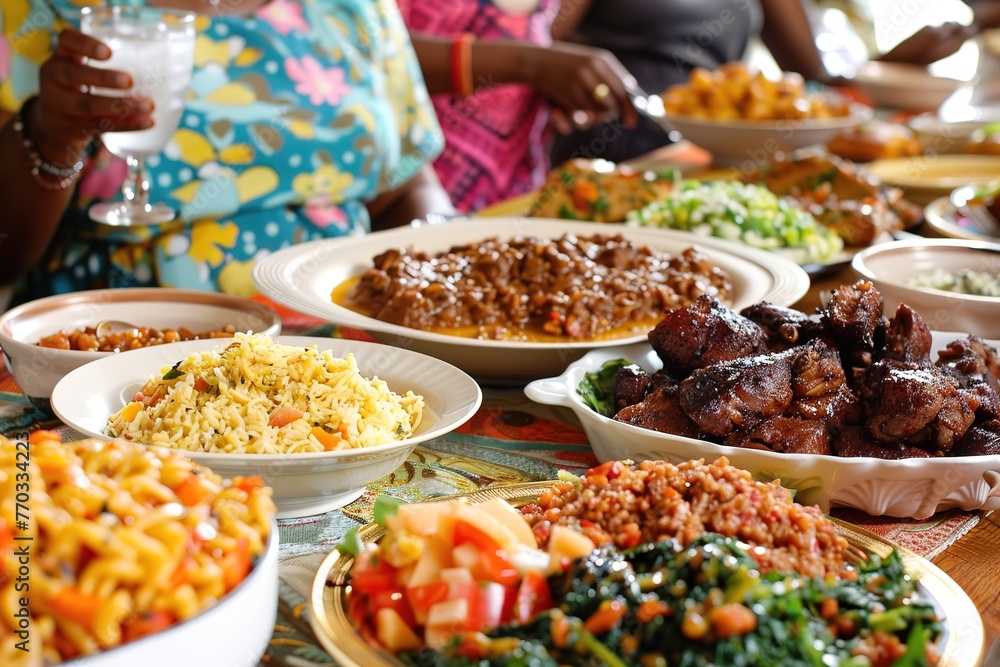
{"points": [[461, 64]]}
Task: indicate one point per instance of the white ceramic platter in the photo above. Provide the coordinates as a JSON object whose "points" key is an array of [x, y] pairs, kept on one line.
{"points": [[302, 277], [306, 483], [905, 488], [942, 216]]}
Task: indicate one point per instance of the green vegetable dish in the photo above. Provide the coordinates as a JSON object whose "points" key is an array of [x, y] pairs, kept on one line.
{"points": [[742, 212], [708, 605]]}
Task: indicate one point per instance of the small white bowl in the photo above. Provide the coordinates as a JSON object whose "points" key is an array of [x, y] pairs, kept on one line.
{"points": [[941, 136], [37, 369], [749, 144], [209, 638], [891, 267], [306, 483], [903, 86]]}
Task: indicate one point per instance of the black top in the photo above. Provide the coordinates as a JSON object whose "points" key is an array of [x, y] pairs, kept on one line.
{"points": [[659, 42]]}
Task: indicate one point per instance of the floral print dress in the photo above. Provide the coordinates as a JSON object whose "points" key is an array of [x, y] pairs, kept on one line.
{"points": [[295, 117]]}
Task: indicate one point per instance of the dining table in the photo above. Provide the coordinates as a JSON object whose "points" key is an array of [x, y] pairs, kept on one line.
{"points": [[510, 440]]}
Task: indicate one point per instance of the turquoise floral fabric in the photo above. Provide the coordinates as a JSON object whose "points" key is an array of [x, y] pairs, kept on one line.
{"points": [[296, 116]]}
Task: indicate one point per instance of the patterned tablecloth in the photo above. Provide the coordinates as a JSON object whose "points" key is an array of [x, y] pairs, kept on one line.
{"points": [[509, 440]]}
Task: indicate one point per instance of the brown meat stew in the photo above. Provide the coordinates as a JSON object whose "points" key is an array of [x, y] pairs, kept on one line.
{"points": [[570, 288]]}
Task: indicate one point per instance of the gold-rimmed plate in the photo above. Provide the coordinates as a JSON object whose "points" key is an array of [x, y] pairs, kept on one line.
{"points": [[960, 644]]}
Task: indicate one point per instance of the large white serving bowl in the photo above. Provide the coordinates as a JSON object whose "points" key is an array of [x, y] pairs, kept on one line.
{"points": [[892, 266], [234, 632], [305, 483], [37, 369], [302, 277], [749, 144], [904, 86], [905, 488]]}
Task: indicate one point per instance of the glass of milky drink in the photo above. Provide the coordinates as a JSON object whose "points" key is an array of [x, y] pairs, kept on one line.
{"points": [[156, 47]]}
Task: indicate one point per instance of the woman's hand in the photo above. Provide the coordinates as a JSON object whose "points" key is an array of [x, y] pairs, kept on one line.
{"points": [[930, 44], [576, 78], [66, 116]]}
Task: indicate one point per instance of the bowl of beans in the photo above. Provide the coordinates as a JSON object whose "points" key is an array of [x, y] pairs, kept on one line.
{"points": [[43, 340]]}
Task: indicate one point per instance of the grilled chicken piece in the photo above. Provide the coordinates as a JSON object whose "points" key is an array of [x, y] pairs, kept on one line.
{"points": [[787, 435], [660, 411], [784, 327], [738, 394], [908, 338], [917, 405], [853, 442], [629, 386], [702, 334], [981, 440], [976, 367], [819, 386], [854, 315]]}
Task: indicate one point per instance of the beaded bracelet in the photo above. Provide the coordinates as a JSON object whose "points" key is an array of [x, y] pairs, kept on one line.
{"points": [[38, 166]]}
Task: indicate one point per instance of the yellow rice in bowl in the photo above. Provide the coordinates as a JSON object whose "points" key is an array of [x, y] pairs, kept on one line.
{"points": [[255, 396]]}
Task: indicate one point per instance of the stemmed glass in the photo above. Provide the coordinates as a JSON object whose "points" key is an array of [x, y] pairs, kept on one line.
{"points": [[156, 47]]}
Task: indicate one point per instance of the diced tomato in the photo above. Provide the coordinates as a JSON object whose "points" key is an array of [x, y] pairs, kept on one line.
{"points": [[610, 469], [6, 537], [422, 598], [395, 599], [201, 384], [183, 572], [533, 597], [466, 532], [235, 564], [371, 574], [69, 602], [330, 441], [284, 415], [489, 605], [509, 601], [497, 567], [146, 624], [43, 435]]}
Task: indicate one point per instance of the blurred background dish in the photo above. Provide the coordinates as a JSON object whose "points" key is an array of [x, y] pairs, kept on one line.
{"points": [[304, 483], [904, 86], [927, 177], [302, 278], [941, 135], [905, 271], [749, 143], [37, 369], [943, 217]]}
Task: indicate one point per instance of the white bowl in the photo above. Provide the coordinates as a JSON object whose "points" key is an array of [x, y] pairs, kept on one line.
{"points": [[905, 488], [749, 144], [303, 484], [302, 277], [37, 369], [903, 86], [891, 266], [948, 136], [210, 637]]}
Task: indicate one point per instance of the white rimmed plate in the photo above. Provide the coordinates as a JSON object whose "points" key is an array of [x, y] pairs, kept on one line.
{"points": [[302, 277], [926, 177], [942, 216], [306, 483], [905, 488]]}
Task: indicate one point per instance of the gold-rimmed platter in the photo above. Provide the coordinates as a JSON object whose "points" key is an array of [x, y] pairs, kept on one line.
{"points": [[960, 643]]}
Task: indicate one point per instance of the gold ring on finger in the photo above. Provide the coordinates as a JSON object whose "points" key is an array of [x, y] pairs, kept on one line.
{"points": [[601, 91]]}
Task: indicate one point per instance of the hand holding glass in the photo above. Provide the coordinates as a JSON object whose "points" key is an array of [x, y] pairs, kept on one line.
{"points": [[156, 47]]}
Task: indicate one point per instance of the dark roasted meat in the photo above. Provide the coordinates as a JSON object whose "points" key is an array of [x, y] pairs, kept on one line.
{"points": [[976, 367], [660, 411], [784, 327], [629, 386], [819, 386], [785, 434], [918, 405], [853, 441], [981, 440], [738, 394], [908, 338], [702, 334], [854, 315]]}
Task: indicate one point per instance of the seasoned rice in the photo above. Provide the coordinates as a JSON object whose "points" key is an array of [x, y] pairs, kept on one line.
{"points": [[656, 500], [237, 398]]}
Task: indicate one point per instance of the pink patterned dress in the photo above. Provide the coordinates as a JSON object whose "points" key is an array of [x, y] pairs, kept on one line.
{"points": [[495, 139]]}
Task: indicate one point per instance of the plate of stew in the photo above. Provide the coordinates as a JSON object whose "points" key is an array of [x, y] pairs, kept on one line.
{"points": [[510, 299]]}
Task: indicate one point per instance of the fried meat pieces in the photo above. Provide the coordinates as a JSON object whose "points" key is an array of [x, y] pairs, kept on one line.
{"points": [[849, 382]]}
